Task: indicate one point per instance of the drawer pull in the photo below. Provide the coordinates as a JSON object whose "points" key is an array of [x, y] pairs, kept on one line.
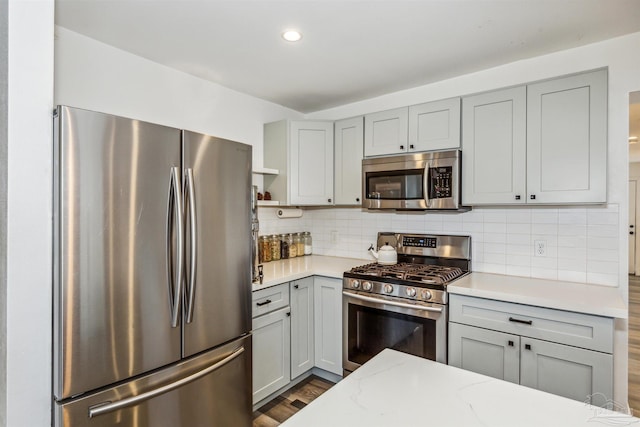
{"points": [[260, 304], [510, 343], [527, 346], [526, 322]]}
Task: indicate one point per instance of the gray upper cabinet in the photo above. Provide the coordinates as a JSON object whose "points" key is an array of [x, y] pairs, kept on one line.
{"points": [[385, 132], [302, 152], [494, 147], [434, 125], [567, 139], [544, 143], [348, 148]]}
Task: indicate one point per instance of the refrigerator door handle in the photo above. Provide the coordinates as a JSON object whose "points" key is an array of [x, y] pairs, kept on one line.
{"points": [[174, 206], [191, 197], [106, 407]]}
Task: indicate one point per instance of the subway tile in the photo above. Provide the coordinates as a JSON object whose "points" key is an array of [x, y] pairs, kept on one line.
{"points": [[495, 248], [572, 241], [544, 216], [517, 270], [572, 264], [602, 267], [572, 276], [518, 228], [498, 227], [520, 249], [495, 237], [602, 218], [544, 263], [519, 239], [572, 217], [538, 228], [572, 230], [518, 260], [602, 243], [495, 215], [544, 273], [491, 268], [494, 258], [602, 279], [472, 227], [519, 216], [602, 230], [452, 227], [572, 252], [474, 215], [602, 255]]}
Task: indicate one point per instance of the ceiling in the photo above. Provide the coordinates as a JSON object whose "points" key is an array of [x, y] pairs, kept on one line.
{"points": [[351, 49]]}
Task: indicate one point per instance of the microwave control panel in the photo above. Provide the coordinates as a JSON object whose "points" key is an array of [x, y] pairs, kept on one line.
{"points": [[440, 179]]}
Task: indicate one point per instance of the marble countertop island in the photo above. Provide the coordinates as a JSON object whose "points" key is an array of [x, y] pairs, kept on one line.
{"points": [[400, 390]]}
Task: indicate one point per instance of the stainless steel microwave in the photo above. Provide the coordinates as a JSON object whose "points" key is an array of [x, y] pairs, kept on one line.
{"points": [[419, 181]]}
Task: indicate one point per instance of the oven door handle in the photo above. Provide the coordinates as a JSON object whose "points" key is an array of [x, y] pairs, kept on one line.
{"points": [[393, 303]]}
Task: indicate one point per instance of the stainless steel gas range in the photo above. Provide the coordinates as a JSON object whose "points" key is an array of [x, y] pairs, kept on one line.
{"points": [[402, 306]]}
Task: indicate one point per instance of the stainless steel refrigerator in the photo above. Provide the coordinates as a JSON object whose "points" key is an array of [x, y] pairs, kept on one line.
{"points": [[152, 275]]}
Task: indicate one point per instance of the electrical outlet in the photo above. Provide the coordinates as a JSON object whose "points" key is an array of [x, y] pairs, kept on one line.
{"points": [[540, 248]]}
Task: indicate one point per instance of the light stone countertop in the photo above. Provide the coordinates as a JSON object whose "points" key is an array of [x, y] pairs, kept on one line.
{"points": [[277, 272], [578, 297], [400, 390]]}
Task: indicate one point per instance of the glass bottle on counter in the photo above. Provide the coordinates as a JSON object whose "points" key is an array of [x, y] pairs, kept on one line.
{"points": [[308, 246], [275, 247], [293, 248], [299, 242], [284, 247], [264, 249]]}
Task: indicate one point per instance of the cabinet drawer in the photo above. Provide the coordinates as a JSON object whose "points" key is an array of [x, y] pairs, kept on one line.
{"points": [[269, 299], [565, 327]]}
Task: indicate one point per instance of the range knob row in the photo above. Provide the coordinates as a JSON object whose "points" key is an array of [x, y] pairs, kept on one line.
{"points": [[388, 289]]}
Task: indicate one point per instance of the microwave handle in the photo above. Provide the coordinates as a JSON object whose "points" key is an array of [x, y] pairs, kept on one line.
{"points": [[426, 184]]}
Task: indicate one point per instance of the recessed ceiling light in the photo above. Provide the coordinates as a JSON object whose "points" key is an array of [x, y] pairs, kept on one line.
{"points": [[633, 139], [292, 35]]}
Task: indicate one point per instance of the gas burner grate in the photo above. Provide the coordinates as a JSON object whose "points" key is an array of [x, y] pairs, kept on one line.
{"points": [[422, 273]]}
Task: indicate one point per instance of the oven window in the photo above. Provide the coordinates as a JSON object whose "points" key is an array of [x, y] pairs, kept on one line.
{"points": [[398, 185], [372, 330]]}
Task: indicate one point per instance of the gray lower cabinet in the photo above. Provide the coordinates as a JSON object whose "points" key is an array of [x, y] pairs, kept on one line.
{"points": [[564, 353], [328, 324], [271, 357], [302, 341]]}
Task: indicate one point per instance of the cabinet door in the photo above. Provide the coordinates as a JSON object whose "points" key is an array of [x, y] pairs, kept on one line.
{"points": [[434, 125], [567, 139], [385, 132], [487, 352], [271, 356], [494, 147], [311, 163], [349, 140], [567, 371], [302, 343], [328, 324]]}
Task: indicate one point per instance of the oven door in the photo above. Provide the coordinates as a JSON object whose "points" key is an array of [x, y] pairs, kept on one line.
{"points": [[373, 323]]}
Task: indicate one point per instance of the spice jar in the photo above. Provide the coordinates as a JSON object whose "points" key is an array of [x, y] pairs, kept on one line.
{"points": [[275, 247], [308, 246], [293, 248], [284, 247], [264, 249], [299, 241]]}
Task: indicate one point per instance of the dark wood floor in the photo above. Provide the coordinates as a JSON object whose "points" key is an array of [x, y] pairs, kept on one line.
{"points": [[290, 402], [634, 344]]}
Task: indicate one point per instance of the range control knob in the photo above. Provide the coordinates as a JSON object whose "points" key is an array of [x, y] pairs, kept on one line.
{"points": [[426, 294], [411, 292], [388, 288], [355, 284], [367, 286]]}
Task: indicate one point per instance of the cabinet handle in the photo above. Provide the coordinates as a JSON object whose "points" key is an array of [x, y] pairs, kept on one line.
{"points": [[288, 314], [329, 200], [296, 286], [526, 322], [517, 197], [532, 197], [527, 346], [402, 147], [411, 146], [260, 304], [358, 199], [510, 343]]}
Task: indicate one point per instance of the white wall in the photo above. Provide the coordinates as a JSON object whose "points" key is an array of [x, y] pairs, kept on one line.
{"points": [[620, 55], [30, 102], [95, 76]]}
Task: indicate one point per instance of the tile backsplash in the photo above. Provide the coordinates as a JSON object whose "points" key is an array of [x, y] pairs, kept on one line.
{"points": [[580, 244]]}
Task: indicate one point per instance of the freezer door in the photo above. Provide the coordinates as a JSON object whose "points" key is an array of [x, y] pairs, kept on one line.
{"points": [[112, 305], [217, 302], [212, 389]]}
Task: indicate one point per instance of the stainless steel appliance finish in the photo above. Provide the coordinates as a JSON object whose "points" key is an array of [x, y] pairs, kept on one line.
{"points": [[151, 262], [255, 229], [402, 306], [420, 181]]}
